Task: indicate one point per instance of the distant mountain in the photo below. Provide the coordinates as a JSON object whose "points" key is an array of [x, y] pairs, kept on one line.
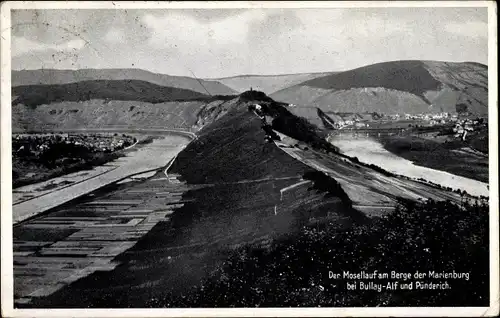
{"points": [[267, 83], [104, 104], [98, 113], [396, 87], [51, 76], [124, 90]]}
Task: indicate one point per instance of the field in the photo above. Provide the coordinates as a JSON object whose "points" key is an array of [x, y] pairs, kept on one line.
{"points": [[77, 239], [207, 222]]}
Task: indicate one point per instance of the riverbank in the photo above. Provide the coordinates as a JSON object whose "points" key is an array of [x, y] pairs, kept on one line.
{"points": [[40, 157], [149, 157], [370, 151], [437, 152]]}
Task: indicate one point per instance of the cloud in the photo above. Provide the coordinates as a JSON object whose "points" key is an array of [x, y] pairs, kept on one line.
{"points": [[176, 29], [219, 42], [115, 35], [469, 29], [21, 45]]}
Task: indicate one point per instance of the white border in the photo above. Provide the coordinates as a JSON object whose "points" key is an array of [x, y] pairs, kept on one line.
{"points": [[6, 176]]}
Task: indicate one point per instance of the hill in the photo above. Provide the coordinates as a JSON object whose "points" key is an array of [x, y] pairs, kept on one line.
{"points": [[52, 76], [125, 90], [234, 179], [98, 113], [267, 83], [246, 195], [396, 87]]}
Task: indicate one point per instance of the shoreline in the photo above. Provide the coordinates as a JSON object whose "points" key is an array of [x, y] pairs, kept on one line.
{"points": [[370, 151], [152, 157]]}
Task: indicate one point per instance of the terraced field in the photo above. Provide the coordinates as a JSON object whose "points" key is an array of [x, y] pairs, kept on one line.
{"points": [[77, 240], [410, 87]]}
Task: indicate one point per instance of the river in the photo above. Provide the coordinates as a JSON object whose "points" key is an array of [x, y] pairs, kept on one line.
{"points": [[147, 158], [370, 151]]}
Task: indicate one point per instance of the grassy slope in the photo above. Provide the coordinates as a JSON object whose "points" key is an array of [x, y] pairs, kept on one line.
{"points": [[103, 103], [51, 76], [399, 86]]}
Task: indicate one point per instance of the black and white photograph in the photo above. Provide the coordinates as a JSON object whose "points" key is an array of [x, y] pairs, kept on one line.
{"points": [[248, 157]]}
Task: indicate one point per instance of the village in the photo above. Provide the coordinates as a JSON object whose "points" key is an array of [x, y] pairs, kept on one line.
{"points": [[38, 143], [39, 157], [461, 125]]}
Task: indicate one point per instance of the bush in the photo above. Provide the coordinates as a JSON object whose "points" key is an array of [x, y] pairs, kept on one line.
{"points": [[431, 236]]}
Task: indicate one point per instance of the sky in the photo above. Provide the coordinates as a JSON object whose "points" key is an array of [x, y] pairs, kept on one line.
{"points": [[212, 43]]}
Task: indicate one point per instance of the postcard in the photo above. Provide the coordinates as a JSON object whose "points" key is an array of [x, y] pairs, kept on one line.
{"points": [[286, 158]]}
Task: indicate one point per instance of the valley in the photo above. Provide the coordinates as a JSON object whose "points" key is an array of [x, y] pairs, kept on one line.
{"points": [[238, 181]]}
